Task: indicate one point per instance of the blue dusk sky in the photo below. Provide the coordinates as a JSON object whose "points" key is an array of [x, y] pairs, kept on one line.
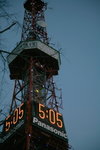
{"points": [[74, 29]]}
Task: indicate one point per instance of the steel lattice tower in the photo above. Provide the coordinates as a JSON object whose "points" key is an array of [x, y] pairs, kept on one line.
{"points": [[33, 64]]}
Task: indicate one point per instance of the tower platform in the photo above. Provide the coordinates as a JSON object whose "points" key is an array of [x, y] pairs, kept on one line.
{"points": [[19, 57]]}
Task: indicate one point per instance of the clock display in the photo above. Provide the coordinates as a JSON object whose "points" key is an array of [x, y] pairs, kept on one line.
{"points": [[53, 117], [13, 119], [45, 118], [49, 120]]}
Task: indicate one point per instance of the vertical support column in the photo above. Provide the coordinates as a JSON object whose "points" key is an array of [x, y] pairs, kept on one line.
{"points": [[29, 107]]}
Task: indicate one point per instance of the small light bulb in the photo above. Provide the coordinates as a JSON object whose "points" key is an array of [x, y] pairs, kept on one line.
{"points": [[37, 90]]}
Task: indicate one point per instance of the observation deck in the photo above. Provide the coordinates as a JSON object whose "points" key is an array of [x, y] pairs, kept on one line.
{"points": [[19, 57]]}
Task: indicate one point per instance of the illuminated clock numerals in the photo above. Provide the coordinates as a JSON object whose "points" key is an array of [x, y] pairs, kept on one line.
{"points": [[15, 116], [59, 120], [21, 111], [7, 123], [42, 111], [52, 117]]}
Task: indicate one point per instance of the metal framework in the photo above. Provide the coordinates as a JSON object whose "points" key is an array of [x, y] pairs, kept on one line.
{"points": [[36, 85], [34, 27], [43, 88]]}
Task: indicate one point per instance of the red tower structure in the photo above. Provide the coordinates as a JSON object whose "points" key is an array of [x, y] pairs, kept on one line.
{"points": [[34, 121]]}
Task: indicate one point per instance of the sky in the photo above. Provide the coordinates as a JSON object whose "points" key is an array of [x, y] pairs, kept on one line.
{"points": [[74, 29]]}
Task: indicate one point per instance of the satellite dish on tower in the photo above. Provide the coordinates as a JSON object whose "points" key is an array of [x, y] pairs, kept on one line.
{"points": [[41, 23]]}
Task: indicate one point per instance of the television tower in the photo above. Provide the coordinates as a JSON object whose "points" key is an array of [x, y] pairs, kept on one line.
{"points": [[34, 121]]}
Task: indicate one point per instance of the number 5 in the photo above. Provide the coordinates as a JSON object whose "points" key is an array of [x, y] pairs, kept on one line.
{"points": [[59, 121], [41, 112], [7, 124], [21, 111]]}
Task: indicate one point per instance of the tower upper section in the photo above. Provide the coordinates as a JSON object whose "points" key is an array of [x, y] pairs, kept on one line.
{"points": [[34, 43], [34, 26]]}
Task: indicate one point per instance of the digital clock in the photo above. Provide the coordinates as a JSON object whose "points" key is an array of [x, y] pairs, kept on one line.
{"points": [[49, 120], [53, 117], [13, 119], [43, 117]]}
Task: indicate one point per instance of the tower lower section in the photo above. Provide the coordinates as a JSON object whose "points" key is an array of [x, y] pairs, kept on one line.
{"points": [[40, 140], [47, 129]]}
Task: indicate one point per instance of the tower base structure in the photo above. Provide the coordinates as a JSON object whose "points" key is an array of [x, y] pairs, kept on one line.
{"points": [[47, 132], [40, 140]]}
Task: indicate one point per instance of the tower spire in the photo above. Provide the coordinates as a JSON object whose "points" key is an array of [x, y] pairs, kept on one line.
{"points": [[34, 26]]}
